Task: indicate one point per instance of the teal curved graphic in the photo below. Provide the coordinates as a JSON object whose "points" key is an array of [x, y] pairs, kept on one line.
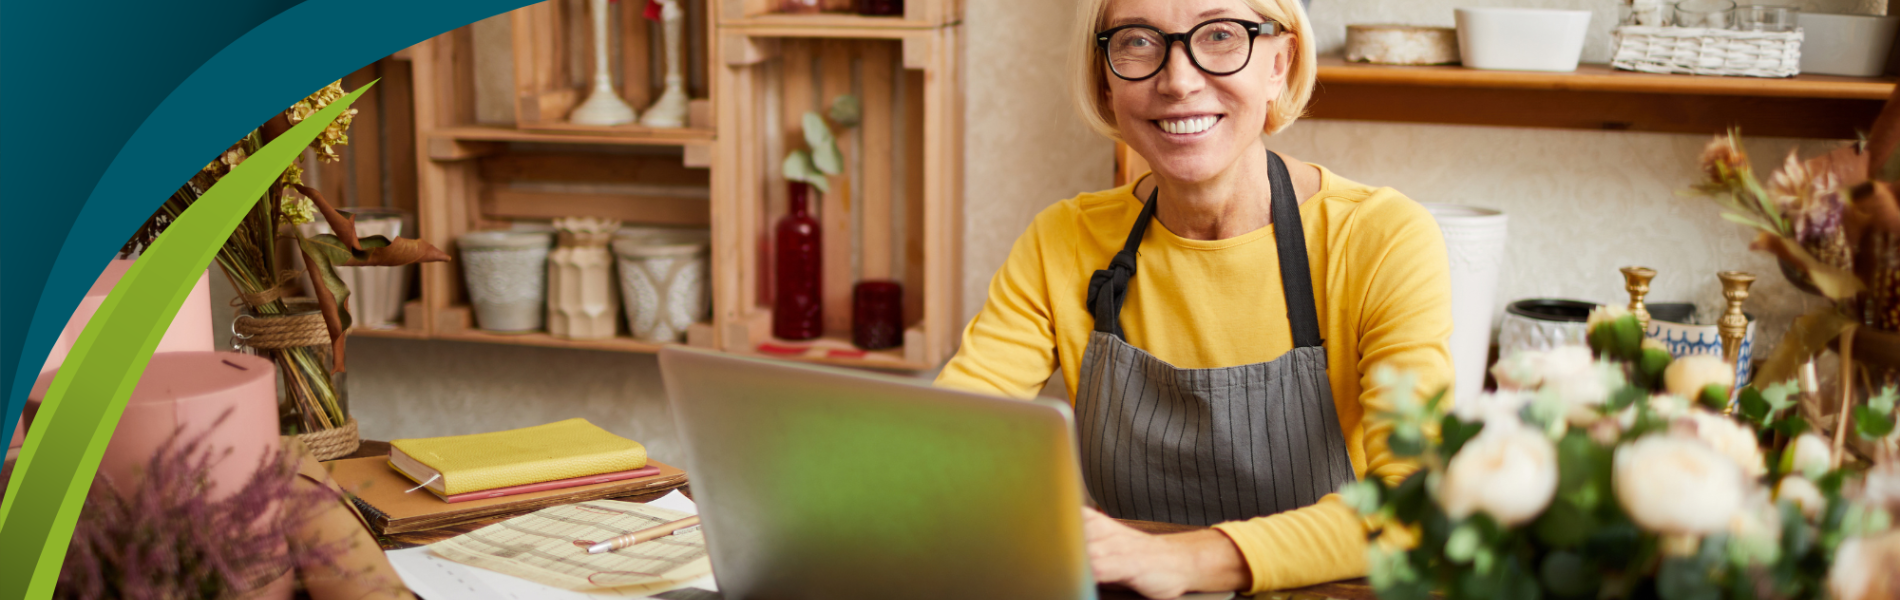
{"points": [[36, 522]]}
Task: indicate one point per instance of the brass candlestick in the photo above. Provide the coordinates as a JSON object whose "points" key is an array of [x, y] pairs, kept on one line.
{"points": [[1636, 281], [1733, 325]]}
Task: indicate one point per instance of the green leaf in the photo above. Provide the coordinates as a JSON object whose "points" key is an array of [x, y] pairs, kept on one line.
{"points": [[1410, 501], [1870, 424], [1566, 574], [1791, 426], [1453, 433], [1649, 368], [1563, 525], [1464, 544], [1713, 396], [1406, 442], [817, 134], [846, 111], [1752, 406], [798, 167], [322, 254], [827, 159], [1629, 338], [1685, 579]]}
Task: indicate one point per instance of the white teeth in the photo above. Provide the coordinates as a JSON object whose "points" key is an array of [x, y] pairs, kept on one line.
{"points": [[1188, 125]]}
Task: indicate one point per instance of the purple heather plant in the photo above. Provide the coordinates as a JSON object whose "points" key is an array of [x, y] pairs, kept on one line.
{"points": [[164, 537]]}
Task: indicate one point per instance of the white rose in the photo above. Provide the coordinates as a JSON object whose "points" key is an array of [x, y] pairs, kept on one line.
{"points": [[1507, 471], [1687, 376], [1664, 406], [1581, 393], [1731, 438], [1604, 313], [1501, 404], [1809, 455], [1565, 361], [1803, 493], [1675, 485], [1863, 568], [1522, 370], [1755, 530]]}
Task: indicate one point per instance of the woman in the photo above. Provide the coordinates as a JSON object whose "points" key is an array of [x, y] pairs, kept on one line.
{"points": [[1217, 322]]}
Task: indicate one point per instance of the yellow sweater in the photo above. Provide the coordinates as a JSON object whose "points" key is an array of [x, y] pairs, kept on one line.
{"points": [[1380, 279]]}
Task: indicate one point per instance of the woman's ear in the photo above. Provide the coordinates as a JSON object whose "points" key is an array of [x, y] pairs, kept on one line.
{"points": [[1283, 49]]}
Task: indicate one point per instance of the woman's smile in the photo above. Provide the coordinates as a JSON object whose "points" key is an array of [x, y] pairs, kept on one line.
{"points": [[1188, 126]]}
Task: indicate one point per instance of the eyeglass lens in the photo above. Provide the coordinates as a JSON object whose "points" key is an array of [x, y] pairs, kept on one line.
{"points": [[1217, 47]]}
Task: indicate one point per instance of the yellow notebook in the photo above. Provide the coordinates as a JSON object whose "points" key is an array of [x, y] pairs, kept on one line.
{"points": [[485, 461]]}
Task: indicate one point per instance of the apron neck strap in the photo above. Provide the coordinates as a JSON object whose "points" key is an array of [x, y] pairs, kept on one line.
{"points": [[1296, 276], [1108, 287]]}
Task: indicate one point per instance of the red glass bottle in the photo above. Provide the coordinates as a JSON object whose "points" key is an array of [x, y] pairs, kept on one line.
{"points": [[798, 306]]}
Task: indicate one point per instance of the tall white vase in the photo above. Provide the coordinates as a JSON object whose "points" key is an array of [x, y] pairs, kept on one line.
{"points": [[603, 105], [671, 108], [1474, 241]]}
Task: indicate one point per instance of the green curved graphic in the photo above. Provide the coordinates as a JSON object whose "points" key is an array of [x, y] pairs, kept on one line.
{"points": [[82, 408]]}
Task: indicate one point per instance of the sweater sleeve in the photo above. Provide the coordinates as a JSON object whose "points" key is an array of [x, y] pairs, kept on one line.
{"points": [[1404, 325], [1009, 349]]}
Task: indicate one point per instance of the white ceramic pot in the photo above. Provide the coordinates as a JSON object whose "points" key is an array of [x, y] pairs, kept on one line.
{"points": [[663, 280], [507, 273], [1474, 242], [1521, 39], [1685, 339], [1855, 45]]}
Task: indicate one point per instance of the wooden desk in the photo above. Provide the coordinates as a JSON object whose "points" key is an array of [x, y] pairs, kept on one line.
{"points": [[1351, 589]]}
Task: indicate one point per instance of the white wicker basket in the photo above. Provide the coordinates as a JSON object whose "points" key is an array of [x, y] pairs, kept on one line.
{"points": [[1706, 51]]}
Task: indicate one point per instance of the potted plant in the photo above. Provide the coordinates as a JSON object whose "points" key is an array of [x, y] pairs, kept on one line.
{"points": [[305, 337]]}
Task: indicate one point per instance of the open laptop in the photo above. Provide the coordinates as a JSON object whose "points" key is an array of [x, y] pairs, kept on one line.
{"points": [[825, 483]]}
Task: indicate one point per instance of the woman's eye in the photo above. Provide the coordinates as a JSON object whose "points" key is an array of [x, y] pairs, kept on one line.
{"points": [[1220, 36], [1138, 43]]}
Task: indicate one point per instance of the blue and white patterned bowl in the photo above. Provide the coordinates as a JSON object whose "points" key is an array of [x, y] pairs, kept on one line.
{"points": [[1688, 340]]}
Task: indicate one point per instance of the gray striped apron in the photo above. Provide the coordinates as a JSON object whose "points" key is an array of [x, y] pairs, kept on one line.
{"points": [[1203, 446]]}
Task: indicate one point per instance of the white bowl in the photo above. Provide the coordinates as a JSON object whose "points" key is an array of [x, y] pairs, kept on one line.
{"points": [[1521, 39], [1854, 45]]}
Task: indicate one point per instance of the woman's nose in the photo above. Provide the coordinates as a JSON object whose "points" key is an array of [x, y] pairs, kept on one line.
{"points": [[1180, 78]]}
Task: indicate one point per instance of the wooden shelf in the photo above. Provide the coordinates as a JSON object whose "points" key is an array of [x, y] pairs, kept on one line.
{"points": [[615, 344], [1597, 97], [624, 135], [837, 351], [828, 26], [398, 333]]}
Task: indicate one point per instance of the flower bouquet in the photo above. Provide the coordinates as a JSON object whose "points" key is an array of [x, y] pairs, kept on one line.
{"points": [[1611, 472], [265, 278]]}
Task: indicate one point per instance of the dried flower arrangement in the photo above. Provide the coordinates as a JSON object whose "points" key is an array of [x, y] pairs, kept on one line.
{"points": [[164, 538], [264, 279], [1609, 472]]}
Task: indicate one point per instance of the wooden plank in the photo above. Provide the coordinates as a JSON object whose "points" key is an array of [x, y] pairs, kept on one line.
{"points": [[877, 72], [431, 64], [450, 149], [636, 55], [698, 156], [737, 50], [939, 281], [364, 153], [510, 203], [592, 167], [730, 246], [567, 133], [913, 157], [1595, 110], [399, 130], [542, 83], [835, 77]]}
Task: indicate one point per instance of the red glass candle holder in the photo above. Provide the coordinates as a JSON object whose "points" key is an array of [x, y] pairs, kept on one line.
{"points": [[877, 315], [881, 8]]}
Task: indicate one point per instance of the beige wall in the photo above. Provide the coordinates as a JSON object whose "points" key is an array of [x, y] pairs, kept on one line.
{"points": [[1581, 203]]}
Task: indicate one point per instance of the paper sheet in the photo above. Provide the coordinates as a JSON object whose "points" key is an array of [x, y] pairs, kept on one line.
{"points": [[540, 547]]}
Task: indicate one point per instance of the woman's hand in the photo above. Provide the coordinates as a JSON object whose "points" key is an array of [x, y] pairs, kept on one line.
{"points": [[1162, 566]]}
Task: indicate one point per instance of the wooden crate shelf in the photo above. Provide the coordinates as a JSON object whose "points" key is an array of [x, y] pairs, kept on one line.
{"points": [[719, 172], [894, 214], [401, 333]]}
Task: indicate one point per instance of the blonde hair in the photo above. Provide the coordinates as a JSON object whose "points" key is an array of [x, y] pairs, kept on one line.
{"points": [[1088, 77]]}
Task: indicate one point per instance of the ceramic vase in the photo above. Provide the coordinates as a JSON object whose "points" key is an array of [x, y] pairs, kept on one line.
{"points": [[1539, 324], [603, 105], [507, 278], [1688, 339], [583, 302], [187, 393], [1474, 243], [663, 278]]}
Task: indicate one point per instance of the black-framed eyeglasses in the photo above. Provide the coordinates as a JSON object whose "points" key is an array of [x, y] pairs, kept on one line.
{"points": [[1217, 47]]}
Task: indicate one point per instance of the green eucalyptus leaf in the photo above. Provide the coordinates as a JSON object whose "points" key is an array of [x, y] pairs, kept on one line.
{"points": [[1464, 544], [1870, 424], [797, 166], [1407, 441], [827, 159], [846, 111], [1453, 433], [1563, 525], [817, 134], [1751, 405], [1629, 338], [1714, 397], [1650, 367]]}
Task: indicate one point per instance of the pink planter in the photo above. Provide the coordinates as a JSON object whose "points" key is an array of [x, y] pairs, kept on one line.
{"points": [[186, 392]]}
